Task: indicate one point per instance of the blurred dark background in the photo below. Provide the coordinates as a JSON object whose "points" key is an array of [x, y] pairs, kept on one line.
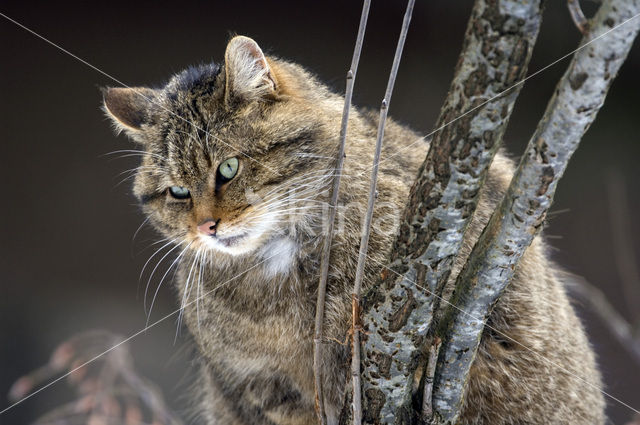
{"points": [[67, 260]]}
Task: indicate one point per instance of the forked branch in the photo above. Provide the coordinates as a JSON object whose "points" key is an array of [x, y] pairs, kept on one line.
{"points": [[520, 216], [397, 314]]}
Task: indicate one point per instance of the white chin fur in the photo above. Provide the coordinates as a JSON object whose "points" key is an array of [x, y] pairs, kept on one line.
{"points": [[246, 240], [246, 244], [280, 253]]}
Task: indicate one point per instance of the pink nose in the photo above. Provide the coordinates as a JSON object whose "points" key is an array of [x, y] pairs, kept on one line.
{"points": [[208, 227]]}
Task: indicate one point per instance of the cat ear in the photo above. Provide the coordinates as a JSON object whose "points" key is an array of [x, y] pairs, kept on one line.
{"points": [[128, 107], [248, 74]]}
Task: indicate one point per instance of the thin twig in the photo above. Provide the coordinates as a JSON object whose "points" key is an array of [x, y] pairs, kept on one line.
{"points": [[326, 250], [520, 216], [598, 303], [577, 15], [366, 227], [427, 394]]}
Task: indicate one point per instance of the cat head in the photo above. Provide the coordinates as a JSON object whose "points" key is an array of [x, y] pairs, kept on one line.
{"points": [[231, 155]]}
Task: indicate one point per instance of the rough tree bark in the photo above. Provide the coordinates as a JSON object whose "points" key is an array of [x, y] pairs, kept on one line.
{"points": [[497, 48], [519, 218], [397, 313]]}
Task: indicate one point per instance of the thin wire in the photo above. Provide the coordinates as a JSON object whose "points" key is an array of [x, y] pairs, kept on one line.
{"points": [[136, 91], [506, 336], [129, 338]]}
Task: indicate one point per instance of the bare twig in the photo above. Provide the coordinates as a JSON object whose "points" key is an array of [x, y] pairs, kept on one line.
{"points": [[623, 250], [397, 315], [366, 226], [427, 394], [326, 250], [598, 303], [577, 16], [520, 216]]}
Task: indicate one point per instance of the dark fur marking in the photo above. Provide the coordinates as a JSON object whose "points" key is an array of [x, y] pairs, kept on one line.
{"points": [[197, 75], [146, 198], [270, 391]]}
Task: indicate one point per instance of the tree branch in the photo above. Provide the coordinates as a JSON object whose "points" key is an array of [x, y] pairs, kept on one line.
{"points": [[577, 16], [520, 216], [494, 59], [326, 249]]}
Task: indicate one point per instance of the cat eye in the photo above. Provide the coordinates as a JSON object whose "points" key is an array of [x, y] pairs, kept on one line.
{"points": [[228, 169], [179, 192]]}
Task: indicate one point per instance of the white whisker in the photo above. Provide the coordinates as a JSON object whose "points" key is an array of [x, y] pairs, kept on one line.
{"points": [[134, 152], [154, 254], [199, 291], [146, 289], [187, 292], [146, 220], [164, 276]]}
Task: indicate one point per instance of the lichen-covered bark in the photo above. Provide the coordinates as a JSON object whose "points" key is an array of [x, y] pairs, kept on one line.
{"points": [[578, 97], [397, 313]]}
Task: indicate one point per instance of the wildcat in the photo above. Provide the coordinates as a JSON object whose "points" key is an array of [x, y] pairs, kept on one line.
{"points": [[236, 169]]}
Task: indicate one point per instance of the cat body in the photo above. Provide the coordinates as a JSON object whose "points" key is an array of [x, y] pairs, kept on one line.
{"points": [[237, 170]]}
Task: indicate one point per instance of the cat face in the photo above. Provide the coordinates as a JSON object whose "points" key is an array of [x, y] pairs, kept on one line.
{"points": [[233, 156]]}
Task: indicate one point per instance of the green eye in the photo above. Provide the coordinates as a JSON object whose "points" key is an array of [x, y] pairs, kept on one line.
{"points": [[179, 192], [228, 169]]}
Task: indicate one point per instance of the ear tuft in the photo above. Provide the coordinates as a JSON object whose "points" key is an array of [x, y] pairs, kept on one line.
{"points": [[128, 107], [248, 75]]}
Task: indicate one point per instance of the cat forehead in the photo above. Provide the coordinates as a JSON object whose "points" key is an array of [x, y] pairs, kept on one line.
{"points": [[191, 120], [200, 146], [196, 78], [186, 113], [187, 99]]}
